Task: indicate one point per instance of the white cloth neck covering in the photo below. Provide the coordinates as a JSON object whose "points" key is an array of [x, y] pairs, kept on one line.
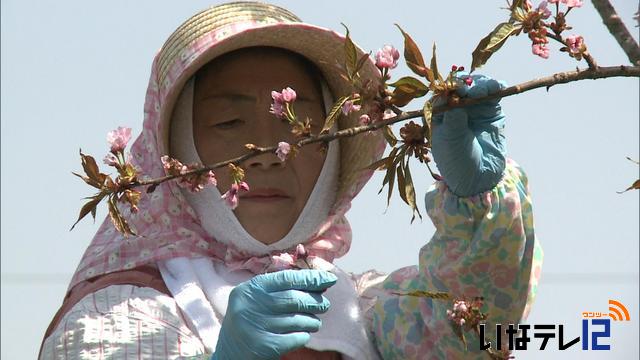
{"points": [[201, 286]]}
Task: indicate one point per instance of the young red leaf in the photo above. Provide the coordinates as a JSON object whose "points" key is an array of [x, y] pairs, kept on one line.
{"points": [[634, 186], [410, 192], [412, 55], [389, 136], [89, 207], [90, 167]]}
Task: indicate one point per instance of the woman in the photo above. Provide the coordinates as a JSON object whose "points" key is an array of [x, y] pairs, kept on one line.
{"points": [[204, 280]]}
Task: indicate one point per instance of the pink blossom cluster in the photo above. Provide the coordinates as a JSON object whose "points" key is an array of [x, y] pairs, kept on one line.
{"points": [[569, 3], [232, 196], [466, 312], [193, 182], [118, 139], [280, 102], [283, 150], [111, 160], [575, 46], [543, 10], [287, 261], [349, 106], [387, 57]]}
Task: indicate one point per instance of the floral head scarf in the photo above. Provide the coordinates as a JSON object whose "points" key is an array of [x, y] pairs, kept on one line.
{"points": [[166, 226]]}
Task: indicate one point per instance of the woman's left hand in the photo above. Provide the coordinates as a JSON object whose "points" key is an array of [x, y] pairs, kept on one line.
{"points": [[468, 143]]}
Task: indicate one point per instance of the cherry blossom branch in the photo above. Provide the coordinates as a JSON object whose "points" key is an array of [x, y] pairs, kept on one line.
{"points": [[619, 31], [547, 82], [586, 55]]}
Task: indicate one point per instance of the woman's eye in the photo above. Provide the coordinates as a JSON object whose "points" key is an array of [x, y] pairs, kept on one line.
{"points": [[228, 124]]}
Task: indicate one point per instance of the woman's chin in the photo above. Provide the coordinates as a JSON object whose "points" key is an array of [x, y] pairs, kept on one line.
{"points": [[268, 222]]}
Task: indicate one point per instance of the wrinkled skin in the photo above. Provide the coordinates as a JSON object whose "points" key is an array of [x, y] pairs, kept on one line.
{"points": [[231, 108]]}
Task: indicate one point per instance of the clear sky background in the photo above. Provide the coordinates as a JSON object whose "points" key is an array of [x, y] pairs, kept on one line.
{"points": [[73, 70]]}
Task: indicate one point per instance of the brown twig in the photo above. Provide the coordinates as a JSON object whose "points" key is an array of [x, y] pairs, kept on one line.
{"points": [[619, 31], [549, 81]]}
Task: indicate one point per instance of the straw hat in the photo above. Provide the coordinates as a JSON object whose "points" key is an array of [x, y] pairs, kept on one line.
{"points": [[228, 27]]}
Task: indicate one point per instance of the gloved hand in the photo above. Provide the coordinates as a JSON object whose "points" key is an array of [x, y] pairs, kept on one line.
{"points": [[272, 314], [468, 144]]}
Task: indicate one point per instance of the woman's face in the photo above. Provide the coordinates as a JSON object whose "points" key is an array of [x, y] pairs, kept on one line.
{"points": [[231, 108]]}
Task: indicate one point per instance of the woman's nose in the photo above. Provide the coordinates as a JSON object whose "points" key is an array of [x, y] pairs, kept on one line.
{"points": [[264, 161]]}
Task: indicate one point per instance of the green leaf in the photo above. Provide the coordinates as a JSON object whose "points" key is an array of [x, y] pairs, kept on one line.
{"points": [[412, 55], [389, 163], [387, 132], [517, 4], [427, 112], [402, 183], [492, 43], [519, 14], [434, 64], [334, 114], [361, 62], [410, 192], [428, 294], [410, 83], [392, 178], [351, 55]]}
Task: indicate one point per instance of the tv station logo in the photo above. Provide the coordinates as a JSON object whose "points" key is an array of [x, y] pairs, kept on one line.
{"points": [[596, 329]]}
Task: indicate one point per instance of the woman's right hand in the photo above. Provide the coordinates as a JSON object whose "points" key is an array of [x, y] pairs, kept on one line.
{"points": [[273, 314]]}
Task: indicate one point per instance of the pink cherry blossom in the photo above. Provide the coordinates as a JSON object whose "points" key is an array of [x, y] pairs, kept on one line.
{"points": [[572, 3], [231, 197], [541, 50], [110, 160], [575, 43], [387, 57], [289, 95], [119, 138], [193, 182], [364, 119], [283, 261], [278, 105], [544, 10], [283, 150], [301, 252], [349, 106], [280, 99]]}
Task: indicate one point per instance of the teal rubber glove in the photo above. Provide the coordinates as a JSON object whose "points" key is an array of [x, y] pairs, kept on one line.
{"points": [[273, 314], [468, 144]]}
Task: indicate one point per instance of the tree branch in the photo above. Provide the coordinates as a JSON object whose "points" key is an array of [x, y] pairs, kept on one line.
{"points": [[548, 82], [619, 31]]}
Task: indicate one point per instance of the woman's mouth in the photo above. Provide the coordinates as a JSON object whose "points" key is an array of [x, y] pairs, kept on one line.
{"points": [[265, 195]]}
